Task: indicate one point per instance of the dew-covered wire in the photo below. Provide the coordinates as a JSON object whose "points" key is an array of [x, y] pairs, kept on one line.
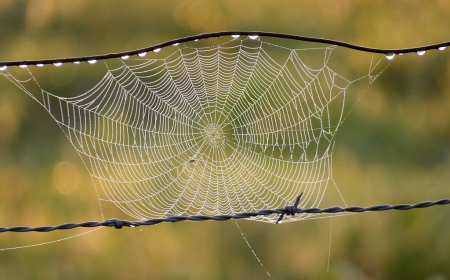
{"points": [[235, 34], [288, 210]]}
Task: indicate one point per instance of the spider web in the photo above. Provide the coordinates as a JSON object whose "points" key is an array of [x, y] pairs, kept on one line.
{"points": [[236, 127]]}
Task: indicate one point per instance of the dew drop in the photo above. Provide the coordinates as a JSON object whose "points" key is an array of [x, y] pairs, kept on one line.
{"points": [[142, 54], [57, 64], [253, 37], [77, 62], [157, 50], [420, 52], [3, 68], [23, 66], [196, 40], [93, 61], [176, 44], [132, 226], [390, 56], [125, 57], [442, 48], [40, 65], [400, 53], [235, 36]]}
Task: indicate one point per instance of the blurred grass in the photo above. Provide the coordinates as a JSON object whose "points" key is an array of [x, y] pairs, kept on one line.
{"points": [[393, 148]]}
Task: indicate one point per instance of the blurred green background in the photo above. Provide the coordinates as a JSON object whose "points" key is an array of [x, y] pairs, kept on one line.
{"points": [[393, 148]]}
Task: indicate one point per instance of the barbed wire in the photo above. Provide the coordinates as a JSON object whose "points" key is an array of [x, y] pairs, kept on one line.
{"points": [[288, 210]]}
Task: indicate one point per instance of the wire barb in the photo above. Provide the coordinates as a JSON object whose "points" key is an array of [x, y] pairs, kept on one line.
{"points": [[288, 210]]}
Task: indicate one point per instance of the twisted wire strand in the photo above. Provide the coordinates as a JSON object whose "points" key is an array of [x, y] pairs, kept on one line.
{"points": [[288, 210], [221, 34]]}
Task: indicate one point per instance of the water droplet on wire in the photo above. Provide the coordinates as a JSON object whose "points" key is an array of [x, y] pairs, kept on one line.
{"points": [[40, 65], [3, 68], [235, 36], [390, 56], [23, 66], [176, 44], [157, 50], [77, 62], [142, 54], [420, 52], [57, 64], [93, 61], [253, 37], [442, 48]]}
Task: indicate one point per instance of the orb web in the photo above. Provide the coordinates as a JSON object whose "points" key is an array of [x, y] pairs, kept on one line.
{"points": [[220, 130]]}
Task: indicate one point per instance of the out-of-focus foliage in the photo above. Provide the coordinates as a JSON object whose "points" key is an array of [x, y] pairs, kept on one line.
{"points": [[393, 148]]}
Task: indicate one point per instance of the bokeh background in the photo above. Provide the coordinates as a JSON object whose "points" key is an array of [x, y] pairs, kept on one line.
{"points": [[393, 148]]}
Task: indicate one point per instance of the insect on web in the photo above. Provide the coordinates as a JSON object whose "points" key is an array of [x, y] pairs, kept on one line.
{"points": [[208, 131]]}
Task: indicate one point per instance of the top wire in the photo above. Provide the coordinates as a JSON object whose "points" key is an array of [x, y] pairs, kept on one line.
{"points": [[156, 48]]}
